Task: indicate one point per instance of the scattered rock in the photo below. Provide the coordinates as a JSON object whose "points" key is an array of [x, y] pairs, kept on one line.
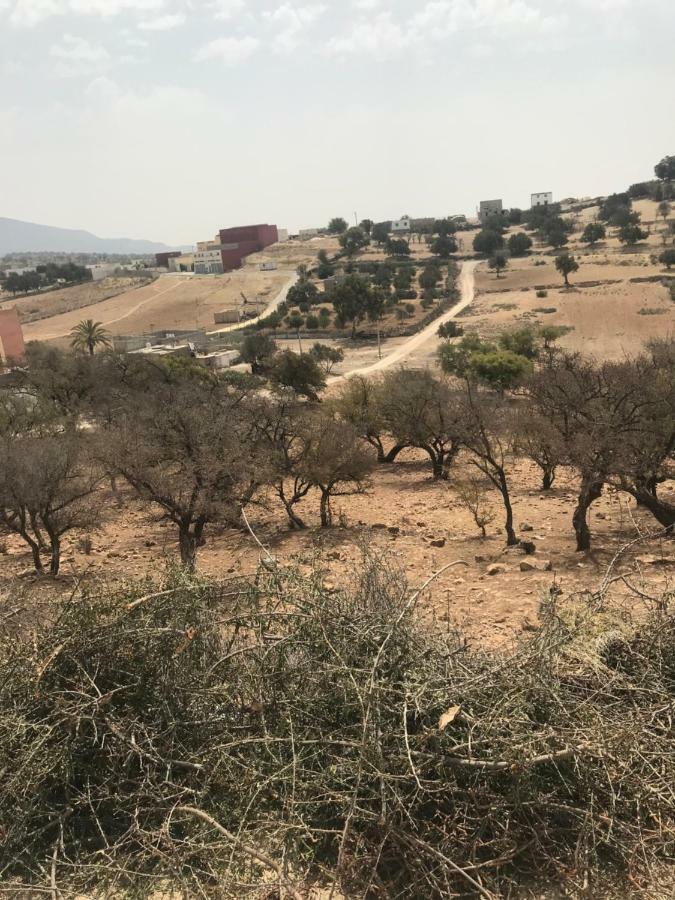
{"points": [[394, 529], [655, 560], [151, 543], [334, 554], [440, 542], [496, 569], [526, 527], [600, 515], [378, 525], [479, 558], [421, 524], [528, 565], [528, 547]]}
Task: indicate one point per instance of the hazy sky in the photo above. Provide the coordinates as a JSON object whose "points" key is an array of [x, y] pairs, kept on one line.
{"points": [[168, 119]]}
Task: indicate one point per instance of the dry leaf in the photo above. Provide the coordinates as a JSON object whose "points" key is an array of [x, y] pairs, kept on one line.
{"points": [[448, 716]]}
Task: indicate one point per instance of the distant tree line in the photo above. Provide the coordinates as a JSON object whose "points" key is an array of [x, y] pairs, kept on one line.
{"points": [[45, 275]]}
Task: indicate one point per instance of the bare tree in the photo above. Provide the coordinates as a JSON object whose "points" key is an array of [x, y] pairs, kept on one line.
{"points": [[359, 403], [282, 426], [595, 409], [538, 439], [473, 493], [46, 487], [335, 461], [488, 429], [421, 410], [185, 447]]}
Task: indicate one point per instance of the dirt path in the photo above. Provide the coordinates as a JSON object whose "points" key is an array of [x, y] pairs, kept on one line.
{"points": [[269, 309], [427, 335]]}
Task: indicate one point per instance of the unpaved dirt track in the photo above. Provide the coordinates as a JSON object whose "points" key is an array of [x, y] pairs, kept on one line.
{"points": [[426, 335], [269, 309]]}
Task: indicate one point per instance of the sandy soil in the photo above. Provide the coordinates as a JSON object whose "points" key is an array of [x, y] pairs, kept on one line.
{"points": [[52, 303], [183, 301], [420, 524]]}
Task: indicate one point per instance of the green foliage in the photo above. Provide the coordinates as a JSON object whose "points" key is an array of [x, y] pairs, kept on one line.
{"points": [[615, 205], [295, 321], [337, 225], [430, 276], [380, 232], [325, 268], [397, 247], [450, 329], [312, 323], [515, 216], [356, 299], [88, 335], [444, 228], [667, 258], [631, 234], [665, 170], [443, 246], [554, 232], [299, 372], [353, 241], [565, 263], [366, 225], [304, 291], [499, 261], [455, 359], [593, 232], [257, 350], [502, 370], [327, 357], [487, 242], [521, 341], [519, 244]]}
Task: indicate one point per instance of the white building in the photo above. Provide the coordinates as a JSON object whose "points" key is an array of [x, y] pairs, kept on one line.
{"points": [[306, 234], [543, 199], [401, 226], [283, 235], [208, 262], [99, 271]]}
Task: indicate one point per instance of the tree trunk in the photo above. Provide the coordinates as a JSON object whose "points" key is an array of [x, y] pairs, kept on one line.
{"points": [[587, 495], [188, 547], [55, 563], [548, 478], [325, 510], [437, 463], [663, 512], [35, 551], [393, 453], [511, 536]]}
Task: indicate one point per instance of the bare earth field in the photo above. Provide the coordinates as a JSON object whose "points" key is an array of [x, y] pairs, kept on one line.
{"points": [[53, 303], [179, 301], [421, 524]]}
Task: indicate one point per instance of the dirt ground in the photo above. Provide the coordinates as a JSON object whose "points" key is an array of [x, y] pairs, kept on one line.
{"points": [[180, 301], [53, 303], [421, 525]]}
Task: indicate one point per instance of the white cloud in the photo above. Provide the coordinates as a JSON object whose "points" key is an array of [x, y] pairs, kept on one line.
{"points": [[162, 23], [77, 49], [76, 56], [230, 51], [380, 36], [31, 12], [226, 9], [292, 21]]}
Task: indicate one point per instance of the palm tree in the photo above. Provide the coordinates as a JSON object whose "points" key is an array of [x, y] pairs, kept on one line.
{"points": [[88, 335]]}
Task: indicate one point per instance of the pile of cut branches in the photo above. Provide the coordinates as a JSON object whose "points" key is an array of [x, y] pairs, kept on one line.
{"points": [[267, 737]]}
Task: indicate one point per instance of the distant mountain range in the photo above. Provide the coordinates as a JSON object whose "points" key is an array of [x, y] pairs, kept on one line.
{"points": [[27, 237]]}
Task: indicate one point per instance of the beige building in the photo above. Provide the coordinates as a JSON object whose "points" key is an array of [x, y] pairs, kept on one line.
{"points": [[183, 263]]}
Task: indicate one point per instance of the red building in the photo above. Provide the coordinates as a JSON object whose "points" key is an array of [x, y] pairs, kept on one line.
{"points": [[238, 243], [11, 335]]}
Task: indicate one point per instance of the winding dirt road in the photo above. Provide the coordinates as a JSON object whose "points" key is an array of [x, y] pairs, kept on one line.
{"points": [[269, 309], [426, 335]]}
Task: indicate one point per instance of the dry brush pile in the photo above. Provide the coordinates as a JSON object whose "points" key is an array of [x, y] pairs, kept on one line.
{"points": [[265, 737]]}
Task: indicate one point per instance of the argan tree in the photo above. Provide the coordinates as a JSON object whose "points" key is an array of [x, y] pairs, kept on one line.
{"points": [[335, 461], [186, 449], [359, 403], [593, 232], [46, 488], [420, 410], [565, 263]]}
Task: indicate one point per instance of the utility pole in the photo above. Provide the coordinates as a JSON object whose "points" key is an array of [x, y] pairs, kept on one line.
{"points": [[356, 219]]}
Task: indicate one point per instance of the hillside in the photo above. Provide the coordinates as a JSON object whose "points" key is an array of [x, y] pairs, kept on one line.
{"points": [[23, 237]]}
